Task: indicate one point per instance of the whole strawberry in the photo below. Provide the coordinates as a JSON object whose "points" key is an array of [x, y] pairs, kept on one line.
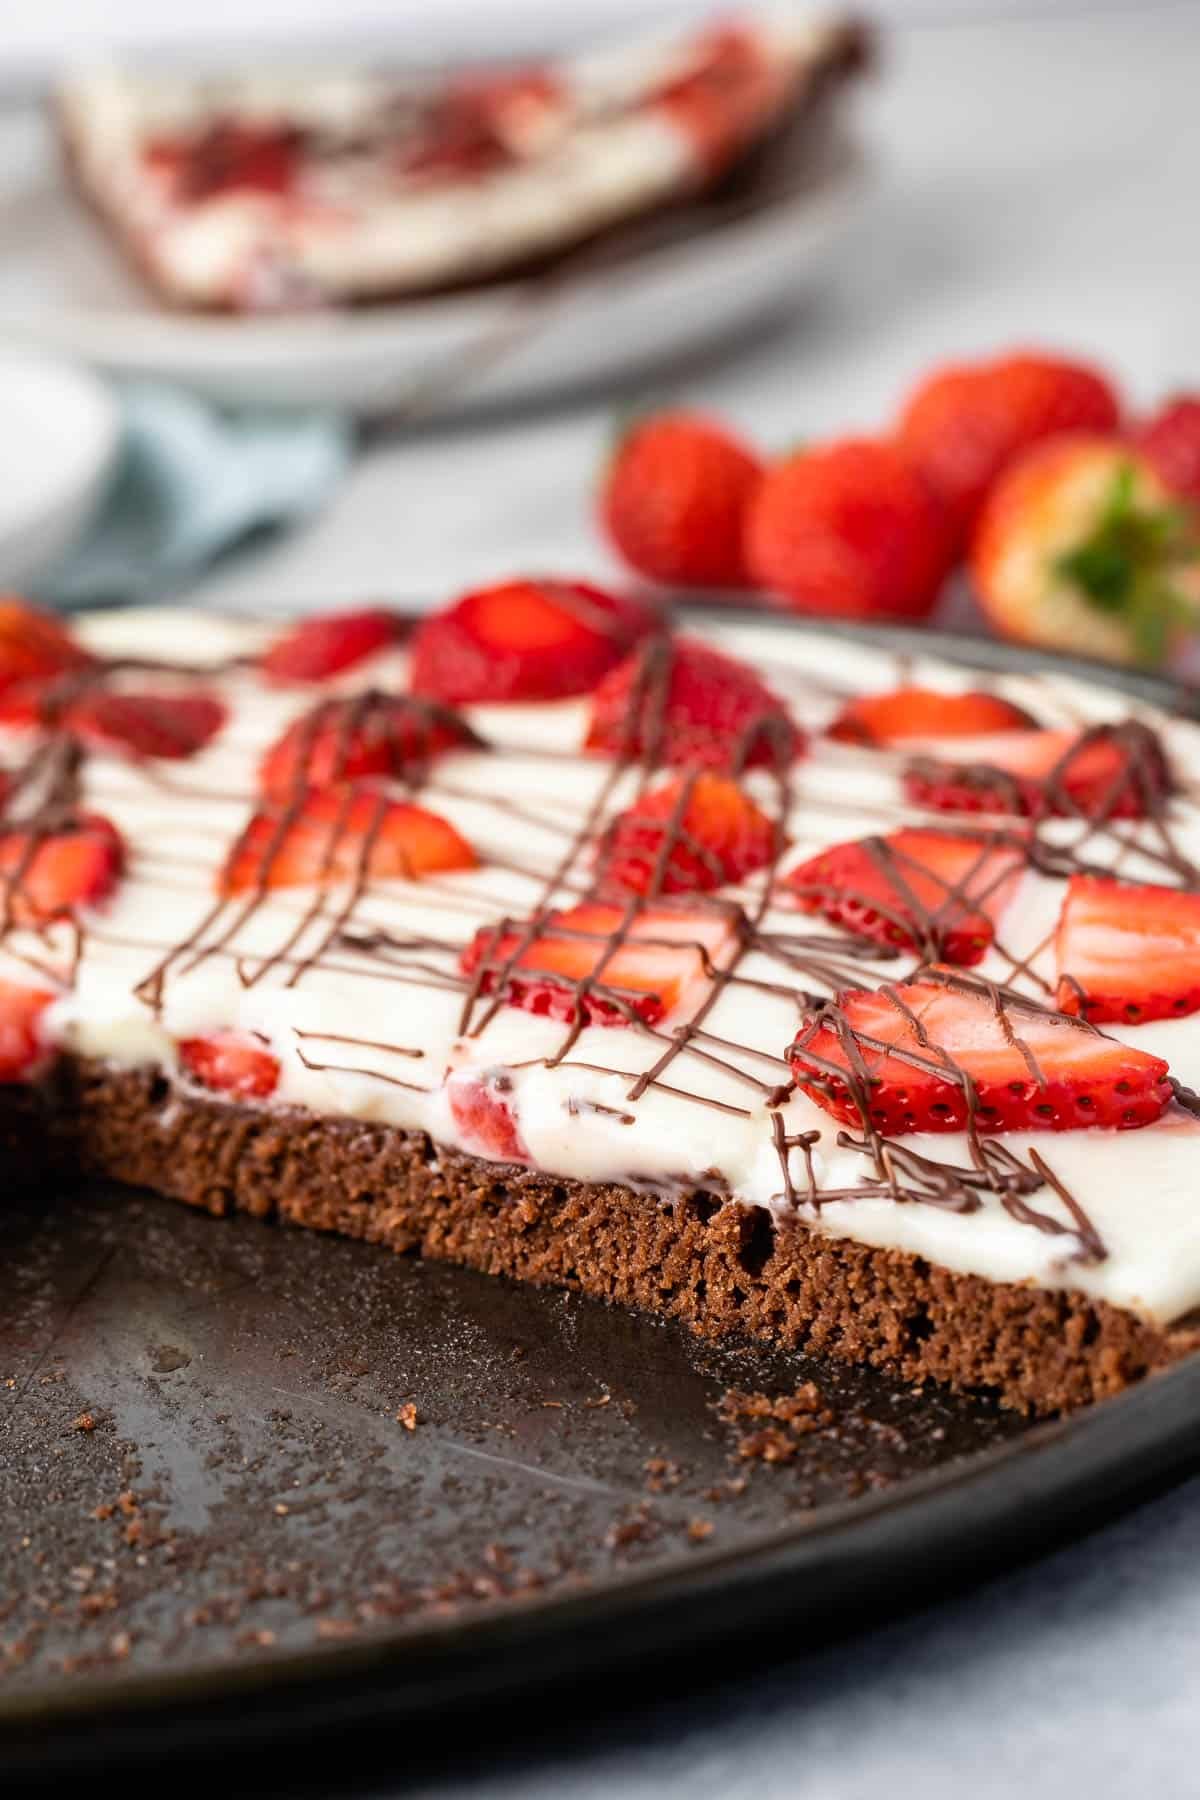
{"points": [[1081, 547], [674, 500], [848, 529], [1170, 440], [964, 424]]}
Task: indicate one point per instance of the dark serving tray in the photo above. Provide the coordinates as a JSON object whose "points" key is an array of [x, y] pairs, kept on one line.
{"points": [[257, 1484]]}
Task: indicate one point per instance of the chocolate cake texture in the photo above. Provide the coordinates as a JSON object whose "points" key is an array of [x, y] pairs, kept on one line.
{"points": [[719, 1266]]}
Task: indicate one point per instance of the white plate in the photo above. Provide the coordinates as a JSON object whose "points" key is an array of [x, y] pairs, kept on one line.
{"points": [[61, 284], [60, 439]]}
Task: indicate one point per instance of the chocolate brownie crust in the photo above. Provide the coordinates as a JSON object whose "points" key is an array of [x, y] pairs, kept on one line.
{"points": [[719, 1266]]}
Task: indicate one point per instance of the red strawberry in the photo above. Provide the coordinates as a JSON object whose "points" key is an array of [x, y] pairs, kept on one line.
{"points": [[145, 725], [342, 834], [366, 734], [484, 1117], [578, 962], [524, 640], [720, 100], [678, 702], [914, 712], [35, 646], [46, 875], [929, 891], [1127, 953], [227, 156], [963, 425], [1109, 772], [317, 649], [22, 1045], [694, 833], [1080, 547], [848, 529], [905, 1056], [481, 121], [675, 498], [1170, 442], [233, 1062]]}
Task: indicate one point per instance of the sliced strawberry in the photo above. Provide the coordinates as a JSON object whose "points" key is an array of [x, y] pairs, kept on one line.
{"points": [[22, 1045], [228, 156], [931, 891], [317, 649], [145, 725], [692, 834], [602, 961], [34, 645], [524, 640], [722, 97], [342, 834], [678, 702], [1108, 772], [928, 1056], [233, 1062], [46, 875], [1127, 953], [915, 712], [367, 734], [485, 1117]]}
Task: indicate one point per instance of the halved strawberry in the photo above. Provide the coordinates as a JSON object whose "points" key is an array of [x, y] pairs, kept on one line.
{"points": [[233, 1062], [34, 645], [366, 734], [22, 1045], [352, 834], [145, 725], [317, 649], [1127, 953], [692, 834], [524, 640], [1107, 772], [936, 892], [484, 1117], [916, 712], [604, 962], [46, 875], [929, 1056], [678, 702]]}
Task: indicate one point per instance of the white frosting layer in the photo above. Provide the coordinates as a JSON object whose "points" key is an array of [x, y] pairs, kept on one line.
{"points": [[1140, 1188]]}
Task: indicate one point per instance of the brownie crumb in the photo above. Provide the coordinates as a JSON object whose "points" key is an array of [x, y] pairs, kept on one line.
{"points": [[770, 1445], [662, 1474], [408, 1417]]}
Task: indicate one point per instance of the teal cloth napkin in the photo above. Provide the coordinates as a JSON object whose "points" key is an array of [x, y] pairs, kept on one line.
{"points": [[191, 482]]}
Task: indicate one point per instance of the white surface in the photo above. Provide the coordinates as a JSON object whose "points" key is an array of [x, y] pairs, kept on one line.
{"points": [[1039, 181], [61, 431], [63, 285], [36, 38]]}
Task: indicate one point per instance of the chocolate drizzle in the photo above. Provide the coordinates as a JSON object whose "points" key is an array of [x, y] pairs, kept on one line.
{"points": [[333, 931]]}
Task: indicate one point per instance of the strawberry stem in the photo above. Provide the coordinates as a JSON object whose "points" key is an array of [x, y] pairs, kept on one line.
{"points": [[1127, 567]]}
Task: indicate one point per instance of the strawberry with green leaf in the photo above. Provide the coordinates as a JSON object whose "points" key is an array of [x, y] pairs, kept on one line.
{"points": [[1081, 547]]}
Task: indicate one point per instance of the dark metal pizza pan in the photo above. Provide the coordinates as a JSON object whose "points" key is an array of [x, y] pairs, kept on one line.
{"points": [[258, 1486]]}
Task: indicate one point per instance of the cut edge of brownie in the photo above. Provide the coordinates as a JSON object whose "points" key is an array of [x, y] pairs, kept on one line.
{"points": [[719, 1266]]}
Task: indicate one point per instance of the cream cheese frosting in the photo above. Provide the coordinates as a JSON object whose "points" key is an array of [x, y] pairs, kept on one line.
{"points": [[372, 1028]]}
